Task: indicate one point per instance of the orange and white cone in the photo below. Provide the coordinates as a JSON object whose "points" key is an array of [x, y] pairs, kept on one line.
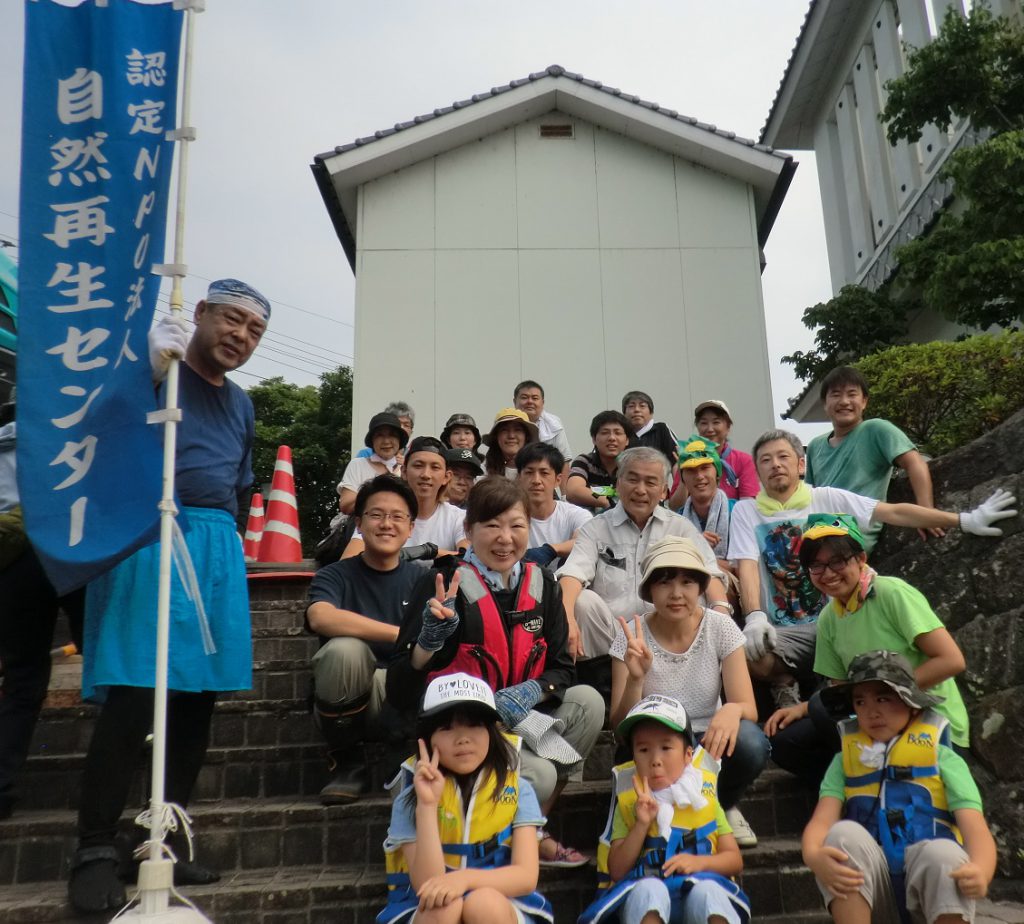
{"points": [[281, 540], [253, 529]]}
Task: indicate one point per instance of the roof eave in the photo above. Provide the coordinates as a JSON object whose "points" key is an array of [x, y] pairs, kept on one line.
{"points": [[341, 172]]}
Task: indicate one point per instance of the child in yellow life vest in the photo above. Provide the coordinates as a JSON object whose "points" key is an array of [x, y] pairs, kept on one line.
{"points": [[667, 849], [462, 843], [898, 826]]}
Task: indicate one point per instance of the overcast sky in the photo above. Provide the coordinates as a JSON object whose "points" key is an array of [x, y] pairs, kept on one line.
{"points": [[276, 83]]}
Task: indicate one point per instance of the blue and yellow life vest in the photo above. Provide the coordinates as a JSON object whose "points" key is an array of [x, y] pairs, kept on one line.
{"points": [[903, 802], [693, 831], [478, 835]]}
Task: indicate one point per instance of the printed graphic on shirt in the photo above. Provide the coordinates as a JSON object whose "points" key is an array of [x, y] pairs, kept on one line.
{"points": [[794, 598]]}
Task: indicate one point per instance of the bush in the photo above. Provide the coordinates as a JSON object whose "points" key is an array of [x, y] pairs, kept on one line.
{"points": [[943, 395]]}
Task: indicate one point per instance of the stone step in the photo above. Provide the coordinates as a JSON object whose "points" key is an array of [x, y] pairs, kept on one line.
{"points": [[265, 831], [314, 894]]}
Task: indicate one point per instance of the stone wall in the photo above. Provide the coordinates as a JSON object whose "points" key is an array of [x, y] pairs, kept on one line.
{"points": [[976, 585]]}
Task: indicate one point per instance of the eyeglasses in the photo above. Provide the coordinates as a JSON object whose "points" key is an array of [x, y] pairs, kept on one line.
{"points": [[380, 516], [835, 565]]}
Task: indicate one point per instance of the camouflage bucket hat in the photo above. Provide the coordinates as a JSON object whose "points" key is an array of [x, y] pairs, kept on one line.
{"points": [[886, 667]]}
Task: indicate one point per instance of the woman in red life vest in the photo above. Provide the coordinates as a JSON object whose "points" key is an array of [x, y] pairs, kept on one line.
{"points": [[500, 618]]}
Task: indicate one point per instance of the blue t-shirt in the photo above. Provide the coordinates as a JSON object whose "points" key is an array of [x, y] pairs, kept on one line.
{"points": [[353, 585], [402, 829], [214, 460]]}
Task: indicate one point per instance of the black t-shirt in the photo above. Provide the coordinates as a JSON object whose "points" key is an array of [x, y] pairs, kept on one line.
{"points": [[353, 585], [662, 438]]}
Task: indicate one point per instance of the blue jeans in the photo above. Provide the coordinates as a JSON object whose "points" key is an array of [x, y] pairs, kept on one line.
{"points": [[748, 760]]}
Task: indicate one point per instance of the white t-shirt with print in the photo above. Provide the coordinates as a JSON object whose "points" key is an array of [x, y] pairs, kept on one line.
{"points": [[773, 541]]}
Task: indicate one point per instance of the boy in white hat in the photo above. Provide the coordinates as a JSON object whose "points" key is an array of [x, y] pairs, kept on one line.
{"points": [[667, 848]]}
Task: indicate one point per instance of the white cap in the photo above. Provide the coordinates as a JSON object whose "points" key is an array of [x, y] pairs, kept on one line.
{"points": [[451, 690], [655, 708]]}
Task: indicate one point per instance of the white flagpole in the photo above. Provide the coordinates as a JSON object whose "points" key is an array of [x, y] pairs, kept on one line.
{"points": [[156, 873]]}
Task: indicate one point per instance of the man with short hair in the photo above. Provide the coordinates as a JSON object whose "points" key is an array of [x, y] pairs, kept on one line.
{"points": [[464, 464], [355, 606], [592, 476], [859, 455], [438, 523], [553, 523], [601, 579], [528, 397], [638, 408], [780, 604], [212, 471]]}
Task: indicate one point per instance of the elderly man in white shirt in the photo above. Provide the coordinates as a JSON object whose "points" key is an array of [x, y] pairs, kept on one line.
{"points": [[601, 579]]}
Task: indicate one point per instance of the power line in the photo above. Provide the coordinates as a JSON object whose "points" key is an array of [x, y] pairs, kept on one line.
{"points": [[273, 334], [312, 361], [276, 301], [315, 314]]}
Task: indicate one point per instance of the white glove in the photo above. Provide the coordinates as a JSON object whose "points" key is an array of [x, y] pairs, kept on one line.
{"points": [[759, 635], [978, 522], [168, 340]]}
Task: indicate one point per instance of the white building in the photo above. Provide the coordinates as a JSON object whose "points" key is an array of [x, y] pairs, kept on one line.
{"points": [[875, 196], [560, 230]]}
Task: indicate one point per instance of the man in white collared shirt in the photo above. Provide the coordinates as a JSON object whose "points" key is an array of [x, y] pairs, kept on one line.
{"points": [[529, 398], [601, 579]]}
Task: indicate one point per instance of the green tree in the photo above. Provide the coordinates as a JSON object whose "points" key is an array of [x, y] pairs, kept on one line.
{"points": [[853, 324], [943, 394], [968, 267], [316, 423]]}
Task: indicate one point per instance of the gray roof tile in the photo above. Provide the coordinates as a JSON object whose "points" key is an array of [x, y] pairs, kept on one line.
{"points": [[789, 66], [556, 70]]}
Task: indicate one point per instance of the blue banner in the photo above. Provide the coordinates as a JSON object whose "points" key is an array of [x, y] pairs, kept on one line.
{"points": [[100, 92]]}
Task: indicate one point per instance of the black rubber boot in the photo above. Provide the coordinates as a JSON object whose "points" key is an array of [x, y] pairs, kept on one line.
{"points": [[348, 779], [94, 884], [343, 725]]}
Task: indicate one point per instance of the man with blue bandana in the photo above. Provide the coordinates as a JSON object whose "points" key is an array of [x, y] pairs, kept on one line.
{"points": [[212, 472]]}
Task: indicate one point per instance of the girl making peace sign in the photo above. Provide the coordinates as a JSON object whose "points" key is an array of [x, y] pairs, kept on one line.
{"points": [[692, 654], [462, 843]]}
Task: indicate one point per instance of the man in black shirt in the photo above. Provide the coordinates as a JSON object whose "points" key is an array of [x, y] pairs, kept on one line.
{"points": [[355, 606], [638, 408]]}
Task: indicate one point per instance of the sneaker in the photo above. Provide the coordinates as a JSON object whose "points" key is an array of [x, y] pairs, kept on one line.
{"points": [[564, 857], [741, 829], [786, 694]]}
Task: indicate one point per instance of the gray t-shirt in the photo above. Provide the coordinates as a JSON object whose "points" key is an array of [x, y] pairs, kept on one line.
{"points": [[694, 676]]}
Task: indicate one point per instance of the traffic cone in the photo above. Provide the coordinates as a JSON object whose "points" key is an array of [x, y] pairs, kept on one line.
{"points": [[253, 529], [280, 540]]}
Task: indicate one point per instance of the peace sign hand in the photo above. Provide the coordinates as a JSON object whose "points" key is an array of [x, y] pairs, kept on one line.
{"points": [[646, 806], [428, 779], [440, 618], [638, 657]]}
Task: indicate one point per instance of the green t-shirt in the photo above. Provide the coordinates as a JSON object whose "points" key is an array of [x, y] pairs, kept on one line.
{"points": [[861, 463], [961, 790], [620, 829], [891, 617]]}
